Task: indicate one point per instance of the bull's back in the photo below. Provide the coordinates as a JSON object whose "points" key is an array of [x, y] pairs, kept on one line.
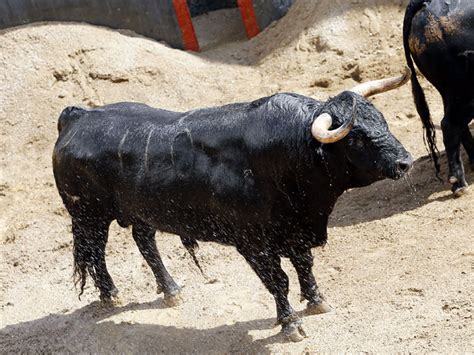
{"points": [[206, 167], [442, 45], [130, 160]]}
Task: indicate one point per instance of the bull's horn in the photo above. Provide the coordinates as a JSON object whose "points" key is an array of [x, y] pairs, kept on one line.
{"points": [[322, 123], [377, 86]]}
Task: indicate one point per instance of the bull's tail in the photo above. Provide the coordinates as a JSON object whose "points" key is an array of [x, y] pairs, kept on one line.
{"points": [[68, 115], [82, 256], [429, 136], [86, 255], [80, 271]]}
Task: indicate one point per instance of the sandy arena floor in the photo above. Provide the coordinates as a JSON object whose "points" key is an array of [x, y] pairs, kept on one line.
{"points": [[398, 268]]}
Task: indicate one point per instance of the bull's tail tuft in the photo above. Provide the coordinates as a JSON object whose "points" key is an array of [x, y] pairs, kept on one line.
{"points": [[84, 254], [69, 114], [80, 267], [429, 135]]}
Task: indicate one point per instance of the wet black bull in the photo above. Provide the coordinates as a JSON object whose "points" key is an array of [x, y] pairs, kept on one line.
{"points": [[439, 37], [262, 176]]}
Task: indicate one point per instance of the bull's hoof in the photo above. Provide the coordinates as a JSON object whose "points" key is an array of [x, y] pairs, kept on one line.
{"points": [[318, 308], [173, 299], [159, 289], [294, 332], [111, 299], [459, 191], [292, 328]]}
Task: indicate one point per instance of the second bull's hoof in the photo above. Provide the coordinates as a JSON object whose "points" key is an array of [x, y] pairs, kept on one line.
{"points": [[318, 308], [459, 191]]}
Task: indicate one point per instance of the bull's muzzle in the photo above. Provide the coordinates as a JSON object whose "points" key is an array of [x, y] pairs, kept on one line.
{"points": [[403, 166]]}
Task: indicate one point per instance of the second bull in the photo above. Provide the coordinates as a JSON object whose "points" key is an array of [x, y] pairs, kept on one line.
{"points": [[439, 37]]}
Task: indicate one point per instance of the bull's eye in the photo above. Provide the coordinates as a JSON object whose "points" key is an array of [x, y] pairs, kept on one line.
{"points": [[358, 143]]}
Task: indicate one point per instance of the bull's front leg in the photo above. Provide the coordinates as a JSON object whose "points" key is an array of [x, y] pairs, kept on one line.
{"points": [[266, 265], [302, 260], [452, 137]]}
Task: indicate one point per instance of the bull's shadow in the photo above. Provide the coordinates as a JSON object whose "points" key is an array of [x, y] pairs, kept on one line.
{"points": [[387, 198], [87, 330]]}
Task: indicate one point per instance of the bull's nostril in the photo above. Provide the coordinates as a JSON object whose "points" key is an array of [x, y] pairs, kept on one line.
{"points": [[404, 165]]}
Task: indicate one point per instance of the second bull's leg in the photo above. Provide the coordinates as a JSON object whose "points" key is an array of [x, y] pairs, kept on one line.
{"points": [[452, 137], [468, 143]]}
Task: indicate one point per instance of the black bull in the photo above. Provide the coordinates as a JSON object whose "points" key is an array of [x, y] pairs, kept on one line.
{"points": [[250, 175], [439, 36]]}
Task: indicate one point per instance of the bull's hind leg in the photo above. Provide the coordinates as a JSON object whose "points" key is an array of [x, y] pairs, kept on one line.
{"points": [[468, 143], [303, 263], [144, 236], [452, 137], [90, 239]]}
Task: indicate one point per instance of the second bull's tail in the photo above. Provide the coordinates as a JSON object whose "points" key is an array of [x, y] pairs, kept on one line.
{"points": [[418, 94]]}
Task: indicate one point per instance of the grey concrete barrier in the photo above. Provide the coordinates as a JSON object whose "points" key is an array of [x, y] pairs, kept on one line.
{"points": [[151, 18], [267, 11], [199, 7], [164, 20]]}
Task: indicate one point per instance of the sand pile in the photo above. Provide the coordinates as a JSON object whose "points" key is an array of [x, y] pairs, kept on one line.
{"points": [[417, 293], [332, 43]]}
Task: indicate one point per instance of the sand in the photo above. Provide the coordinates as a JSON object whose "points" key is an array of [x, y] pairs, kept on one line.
{"points": [[398, 268]]}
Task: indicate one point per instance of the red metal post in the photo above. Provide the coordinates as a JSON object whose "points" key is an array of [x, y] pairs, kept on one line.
{"points": [[186, 25], [248, 16]]}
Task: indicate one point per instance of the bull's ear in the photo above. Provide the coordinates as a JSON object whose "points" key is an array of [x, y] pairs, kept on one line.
{"points": [[320, 127], [378, 86]]}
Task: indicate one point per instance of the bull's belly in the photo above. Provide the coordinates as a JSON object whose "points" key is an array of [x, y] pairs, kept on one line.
{"points": [[229, 225], [222, 225]]}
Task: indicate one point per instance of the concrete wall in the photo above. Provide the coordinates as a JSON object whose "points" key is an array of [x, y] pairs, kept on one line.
{"points": [[267, 11], [151, 18], [199, 7]]}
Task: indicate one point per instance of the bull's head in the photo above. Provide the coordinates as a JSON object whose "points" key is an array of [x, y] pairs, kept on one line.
{"points": [[370, 148]]}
